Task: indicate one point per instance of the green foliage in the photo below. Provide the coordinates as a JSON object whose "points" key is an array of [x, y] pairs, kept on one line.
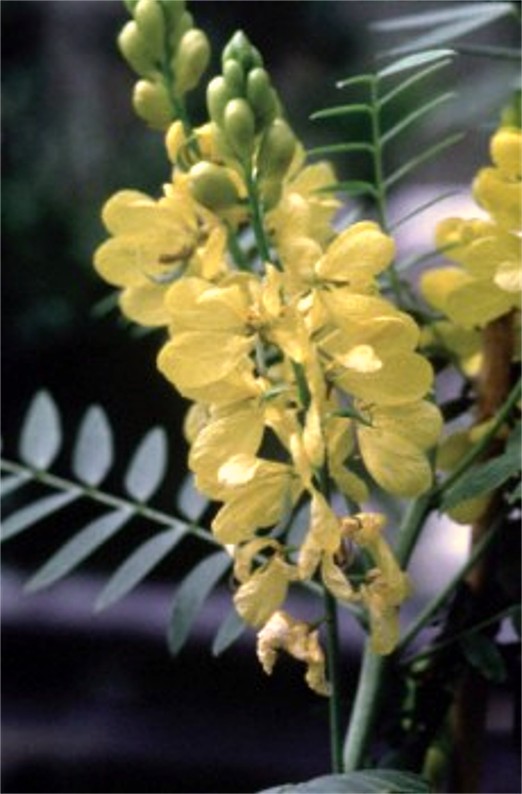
{"points": [[383, 97], [375, 781]]}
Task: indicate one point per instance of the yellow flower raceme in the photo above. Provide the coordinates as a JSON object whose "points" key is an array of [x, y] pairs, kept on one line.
{"points": [[498, 189]]}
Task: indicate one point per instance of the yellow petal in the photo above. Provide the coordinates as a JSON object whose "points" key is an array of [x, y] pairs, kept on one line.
{"points": [[397, 465], [403, 378], [506, 152], [478, 302], [145, 304], [436, 285], [335, 580], [361, 358], [357, 255], [420, 422], [260, 596], [498, 196], [509, 276]]}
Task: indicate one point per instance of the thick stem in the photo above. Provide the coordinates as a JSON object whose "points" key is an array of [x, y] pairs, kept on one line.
{"points": [[365, 709], [334, 706]]}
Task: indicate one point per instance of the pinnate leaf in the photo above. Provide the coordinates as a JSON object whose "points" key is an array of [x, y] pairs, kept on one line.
{"points": [[93, 451], [148, 465], [229, 631], [27, 516], [138, 565], [41, 435], [191, 595], [79, 547]]}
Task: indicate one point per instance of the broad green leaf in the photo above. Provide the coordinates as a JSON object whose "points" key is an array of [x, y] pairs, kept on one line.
{"points": [[93, 451], [41, 435], [483, 654], [229, 631], [451, 32], [27, 516], [417, 114], [189, 501], [485, 477], [190, 596], [138, 565], [10, 484], [341, 110], [412, 61], [423, 157], [148, 465], [81, 546], [371, 781], [426, 19]]}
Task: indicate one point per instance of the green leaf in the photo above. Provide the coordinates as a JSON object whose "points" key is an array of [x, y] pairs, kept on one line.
{"points": [[189, 501], [483, 654], [41, 436], [229, 631], [412, 61], [453, 30], [355, 80], [354, 187], [27, 516], [372, 781], [485, 477], [93, 451], [138, 565], [148, 465], [426, 19], [412, 80], [422, 207], [190, 596], [342, 148], [415, 115], [10, 484], [81, 546], [423, 157], [341, 110]]}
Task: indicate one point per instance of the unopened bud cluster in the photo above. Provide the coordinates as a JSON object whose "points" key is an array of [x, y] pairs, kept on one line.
{"points": [[251, 135], [169, 54]]}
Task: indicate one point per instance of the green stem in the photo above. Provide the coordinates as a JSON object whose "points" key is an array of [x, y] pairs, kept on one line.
{"points": [[257, 219], [365, 708], [334, 703], [238, 255]]}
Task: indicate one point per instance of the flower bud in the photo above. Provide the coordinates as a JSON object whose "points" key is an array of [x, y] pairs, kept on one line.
{"points": [[276, 151], [135, 50], [176, 33], [240, 49], [271, 192], [211, 186], [234, 77], [239, 127], [217, 97], [130, 5], [151, 24], [174, 10], [191, 60], [151, 102], [261, 96]]}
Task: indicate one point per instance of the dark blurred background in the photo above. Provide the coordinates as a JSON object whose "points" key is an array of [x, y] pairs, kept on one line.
{"points": [[96, 703]]}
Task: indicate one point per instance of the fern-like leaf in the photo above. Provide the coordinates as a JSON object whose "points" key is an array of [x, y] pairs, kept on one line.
{"points": [[41, 435], [93, 451]]}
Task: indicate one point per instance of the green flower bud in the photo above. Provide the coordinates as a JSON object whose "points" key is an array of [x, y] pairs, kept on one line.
{"points": [[234, 77], [151, 24], [239, 127], [152, 103], [191, 60], [261, 96], [271, 192], [184, 24], [217, 97], [240, 49], [135, 50], [174, 10], [276, 151], [211, 186], [130, 5]]}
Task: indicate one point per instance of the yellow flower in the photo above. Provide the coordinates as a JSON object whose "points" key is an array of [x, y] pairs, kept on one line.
{"points": [[284, 633], [154, 243], [498, 189], [263, 592]]}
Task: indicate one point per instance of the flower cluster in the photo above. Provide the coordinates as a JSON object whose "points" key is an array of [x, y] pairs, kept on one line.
{"points": [[304, 379], [486, 280]]}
